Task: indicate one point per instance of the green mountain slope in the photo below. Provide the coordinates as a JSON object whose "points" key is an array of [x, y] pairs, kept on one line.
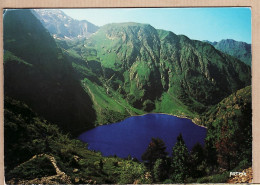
{"points": [[156, 70], [37, 72], [240, 50]]}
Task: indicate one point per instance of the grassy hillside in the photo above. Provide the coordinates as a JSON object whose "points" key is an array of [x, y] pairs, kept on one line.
{"points": [[156, 70], [38, 152]]}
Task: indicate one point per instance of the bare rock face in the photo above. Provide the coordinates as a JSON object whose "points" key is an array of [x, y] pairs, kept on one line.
{"points": [[62, 26]]}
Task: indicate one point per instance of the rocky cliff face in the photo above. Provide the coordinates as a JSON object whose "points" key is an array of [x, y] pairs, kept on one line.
{"points": [[62, 26], [145, 63]]}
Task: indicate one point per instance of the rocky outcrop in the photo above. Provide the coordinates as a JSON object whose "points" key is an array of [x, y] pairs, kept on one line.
{"points": [[59, 178], [62, 26]]}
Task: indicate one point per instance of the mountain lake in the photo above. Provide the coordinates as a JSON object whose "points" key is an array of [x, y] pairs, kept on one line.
{"points": [[133, 135]]}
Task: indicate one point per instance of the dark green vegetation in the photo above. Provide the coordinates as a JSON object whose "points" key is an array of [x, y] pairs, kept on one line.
{"points": [[27, 135], [240, 50], [228, 146], [38, 73], [156, 150], [230, 128], [124, 69]]}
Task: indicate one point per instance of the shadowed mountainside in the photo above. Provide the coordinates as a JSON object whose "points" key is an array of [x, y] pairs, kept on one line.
{"points": [[37, 72]]}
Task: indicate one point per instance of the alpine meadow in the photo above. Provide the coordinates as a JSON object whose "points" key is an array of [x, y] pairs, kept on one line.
{"points": [[125, 102]]}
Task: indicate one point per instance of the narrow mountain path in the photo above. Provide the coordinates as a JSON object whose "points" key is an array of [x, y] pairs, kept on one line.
{"points": [[90, 92], [92, 96], [60, 176], [108, 90]]}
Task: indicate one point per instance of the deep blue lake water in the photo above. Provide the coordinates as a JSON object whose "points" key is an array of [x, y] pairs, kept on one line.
{"points": [[132, 135]]}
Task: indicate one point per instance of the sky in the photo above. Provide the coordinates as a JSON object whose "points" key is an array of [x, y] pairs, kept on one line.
{"points": [[213, 24]]}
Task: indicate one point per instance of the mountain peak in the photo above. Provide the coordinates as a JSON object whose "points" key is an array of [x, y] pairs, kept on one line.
{"points": [[49, 11], [127, 25], [62, 26], [237, 49]]}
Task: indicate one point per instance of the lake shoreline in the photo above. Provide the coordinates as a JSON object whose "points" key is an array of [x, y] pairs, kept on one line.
{"points": [[185, 117]]}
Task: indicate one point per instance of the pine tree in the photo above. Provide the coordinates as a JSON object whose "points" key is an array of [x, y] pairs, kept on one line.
{"points": [[156, 150], [160, 170], [180, 161], [210, 148], [197, 161]]}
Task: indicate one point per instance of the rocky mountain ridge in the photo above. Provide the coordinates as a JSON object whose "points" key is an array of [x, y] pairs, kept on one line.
{"points": [[62, 26], [240, 50]]}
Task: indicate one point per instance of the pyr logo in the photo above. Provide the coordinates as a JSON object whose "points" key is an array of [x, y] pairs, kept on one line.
{"points": [[237, 174]]}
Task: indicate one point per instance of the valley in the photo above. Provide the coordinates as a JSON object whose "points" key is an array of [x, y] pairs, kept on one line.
{"points": [[61, 81]]}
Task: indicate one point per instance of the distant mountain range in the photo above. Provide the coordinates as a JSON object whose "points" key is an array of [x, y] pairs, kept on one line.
{"points": [[240, 50], [62, 26]]}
